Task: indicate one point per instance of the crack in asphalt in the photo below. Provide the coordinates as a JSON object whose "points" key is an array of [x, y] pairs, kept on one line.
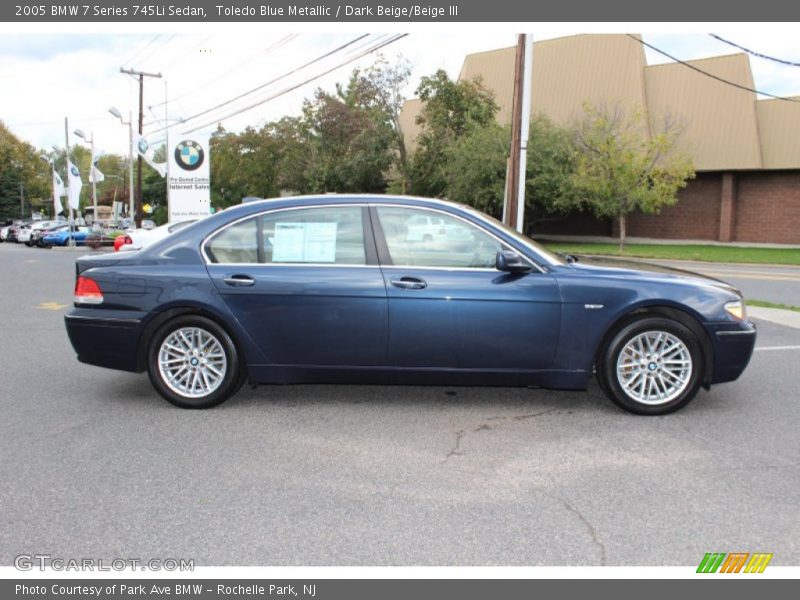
{"points": [[455, 450], [589, 527]]}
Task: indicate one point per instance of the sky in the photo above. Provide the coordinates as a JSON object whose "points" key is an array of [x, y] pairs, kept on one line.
{"points": [[47, 76]]}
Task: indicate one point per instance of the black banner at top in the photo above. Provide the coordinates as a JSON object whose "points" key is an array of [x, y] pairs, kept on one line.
{"points": [[233, 11]]}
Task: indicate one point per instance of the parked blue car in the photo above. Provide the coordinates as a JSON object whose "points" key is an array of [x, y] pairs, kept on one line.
{"points": [[61, 236], [398, 290]]}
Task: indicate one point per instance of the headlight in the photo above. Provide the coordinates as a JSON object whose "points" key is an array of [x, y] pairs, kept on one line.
{"points": [[736, 309]]}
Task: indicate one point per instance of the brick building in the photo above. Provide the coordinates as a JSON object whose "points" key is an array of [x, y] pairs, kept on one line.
{"points": [[746, 151]]}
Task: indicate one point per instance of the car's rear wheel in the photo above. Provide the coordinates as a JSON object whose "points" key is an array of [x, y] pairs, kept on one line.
{"points": [[193, 362], [651, 366]]}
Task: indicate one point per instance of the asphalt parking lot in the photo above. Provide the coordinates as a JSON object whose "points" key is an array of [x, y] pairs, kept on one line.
{"points": [[94, 464]]}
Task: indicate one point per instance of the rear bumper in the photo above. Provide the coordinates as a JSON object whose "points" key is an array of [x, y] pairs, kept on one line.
{"points": [[109, 340], [732, 351]]}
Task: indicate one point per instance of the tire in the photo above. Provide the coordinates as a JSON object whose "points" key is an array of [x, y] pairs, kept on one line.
{"points": [[651, 366], [427, 238], [195, 383]]}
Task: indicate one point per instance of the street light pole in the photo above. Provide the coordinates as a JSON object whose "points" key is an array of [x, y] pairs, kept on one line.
{"points": [[114, 111], [90, 141]]}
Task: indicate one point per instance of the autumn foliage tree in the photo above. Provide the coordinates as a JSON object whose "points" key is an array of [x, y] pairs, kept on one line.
{"points": [[621, 168]]}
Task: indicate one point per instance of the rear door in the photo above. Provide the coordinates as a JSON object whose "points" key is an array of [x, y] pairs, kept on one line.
{"points": [[305, 284], [449, 307]]}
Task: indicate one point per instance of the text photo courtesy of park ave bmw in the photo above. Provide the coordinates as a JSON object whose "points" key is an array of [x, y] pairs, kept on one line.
{"points": [[313, 300]]}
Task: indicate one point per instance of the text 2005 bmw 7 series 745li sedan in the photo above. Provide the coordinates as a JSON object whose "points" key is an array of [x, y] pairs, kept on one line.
{"points": [[390, 290]]}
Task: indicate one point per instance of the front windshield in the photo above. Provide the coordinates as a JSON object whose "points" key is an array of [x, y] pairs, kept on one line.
{"points": [[540, 250]]}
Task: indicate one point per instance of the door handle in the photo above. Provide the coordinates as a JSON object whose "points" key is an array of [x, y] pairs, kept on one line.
{"points": [[239, 280], [409, 283]]}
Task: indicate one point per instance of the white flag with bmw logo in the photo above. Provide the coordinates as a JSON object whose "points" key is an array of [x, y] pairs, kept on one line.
{"points": [[58, 191], [75, 185], [95, 175], [143, 148]]}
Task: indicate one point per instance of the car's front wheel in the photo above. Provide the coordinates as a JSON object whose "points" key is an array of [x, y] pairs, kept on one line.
{"points": [[193, 362], [651, 366]]}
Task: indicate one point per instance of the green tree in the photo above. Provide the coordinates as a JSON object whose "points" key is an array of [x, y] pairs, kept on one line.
{"points": [[243, 164], [451, 110], [550, 168], [382, 85], [621, 169], [475, 169], [20, 167], [154, 186], [343, 142]]}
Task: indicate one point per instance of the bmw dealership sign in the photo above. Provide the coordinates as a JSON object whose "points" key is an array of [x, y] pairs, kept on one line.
{"points": [[189, 178]]}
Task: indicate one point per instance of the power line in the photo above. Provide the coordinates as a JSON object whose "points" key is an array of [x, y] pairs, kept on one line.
{"points": [[711, 75], [150, 54], [228, 70], [186, 52], [142, 49], [753, 52], [276, 79], [302, 83]]}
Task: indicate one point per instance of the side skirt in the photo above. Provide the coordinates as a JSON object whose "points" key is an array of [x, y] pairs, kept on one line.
{"points": [[287, 374]]}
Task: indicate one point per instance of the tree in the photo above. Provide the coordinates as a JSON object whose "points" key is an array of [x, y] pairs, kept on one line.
{"points": [[244, 164], [154, 186], [343, 142], [451, 110], [475, 169], [20, 166], [384, 83], [550, 167], [620, 168]]}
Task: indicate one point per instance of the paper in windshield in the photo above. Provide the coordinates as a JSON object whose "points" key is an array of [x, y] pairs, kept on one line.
{"points": [[305, 242]]}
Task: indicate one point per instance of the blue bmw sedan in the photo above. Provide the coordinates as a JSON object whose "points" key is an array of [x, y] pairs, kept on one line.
{"points": [[398, 290]]}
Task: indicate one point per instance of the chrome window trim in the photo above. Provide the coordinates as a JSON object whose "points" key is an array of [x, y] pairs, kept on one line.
{"points": [[273, 210], [502, 243], [367, 204]]}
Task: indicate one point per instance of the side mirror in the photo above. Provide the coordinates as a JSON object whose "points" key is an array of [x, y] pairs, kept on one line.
{"points": [[511, 262]]}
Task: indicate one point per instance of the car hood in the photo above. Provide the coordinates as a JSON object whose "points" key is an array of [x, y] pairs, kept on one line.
{"points": [[645, 270]]}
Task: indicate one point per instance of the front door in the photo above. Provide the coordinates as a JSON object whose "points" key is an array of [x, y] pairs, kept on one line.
{"points": [[449, 308]]}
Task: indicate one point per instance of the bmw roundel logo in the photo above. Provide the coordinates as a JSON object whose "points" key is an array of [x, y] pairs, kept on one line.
{"points": [[74, 171], [143, 146], [189, 155]]}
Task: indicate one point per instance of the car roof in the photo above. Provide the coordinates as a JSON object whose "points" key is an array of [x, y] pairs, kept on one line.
{"points": [[253, 206]]}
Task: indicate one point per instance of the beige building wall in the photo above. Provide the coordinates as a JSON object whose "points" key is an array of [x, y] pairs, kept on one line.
{"points": [[779, 128], [723, 128], [604, 71], [718, 121]]}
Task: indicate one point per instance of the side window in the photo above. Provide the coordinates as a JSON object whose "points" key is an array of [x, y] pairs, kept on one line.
{"points": [[437, 240], [331, 234], [235, 244], [326, 235]]}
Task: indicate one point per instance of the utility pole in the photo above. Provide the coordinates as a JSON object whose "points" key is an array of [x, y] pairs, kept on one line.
{"points": [[514, 209], [141, 75], [21, 200]]}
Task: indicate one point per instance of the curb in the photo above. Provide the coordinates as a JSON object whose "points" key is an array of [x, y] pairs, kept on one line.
{"points": [[787, 318]]}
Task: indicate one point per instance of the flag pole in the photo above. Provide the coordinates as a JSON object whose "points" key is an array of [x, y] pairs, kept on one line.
{"points": [[71, 218]]}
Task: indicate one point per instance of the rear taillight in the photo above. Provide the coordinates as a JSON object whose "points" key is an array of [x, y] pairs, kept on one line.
{"points": [[87, 291], [127, 240]]}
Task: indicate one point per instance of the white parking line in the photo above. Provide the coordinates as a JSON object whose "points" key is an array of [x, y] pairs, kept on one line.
{"points": [[777, 348]]}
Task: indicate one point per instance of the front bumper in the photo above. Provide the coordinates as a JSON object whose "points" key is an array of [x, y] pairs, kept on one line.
{"points": [[733, 347], [108, 340]]}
